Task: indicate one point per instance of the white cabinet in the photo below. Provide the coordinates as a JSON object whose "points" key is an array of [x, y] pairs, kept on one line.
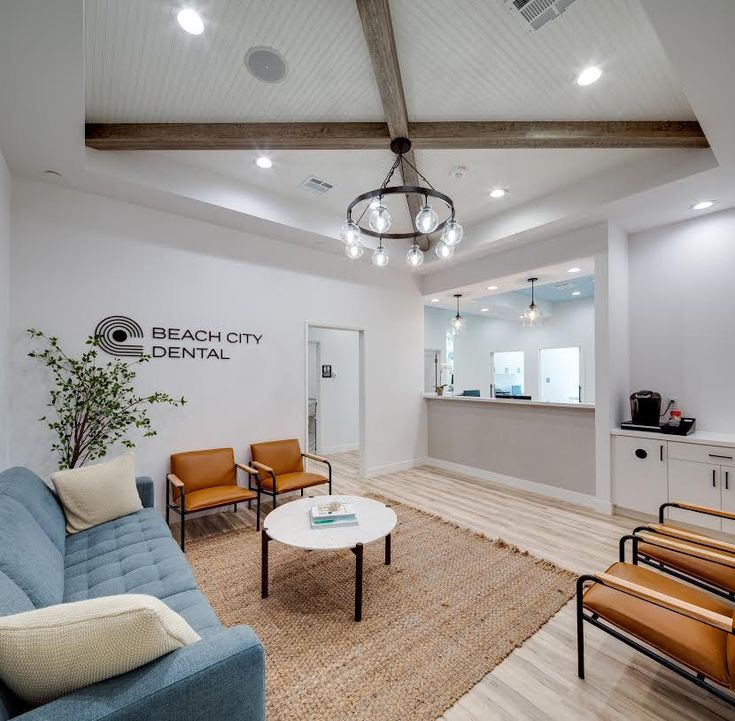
{"points": [[649, 470], [639, 474], [698, 484]]}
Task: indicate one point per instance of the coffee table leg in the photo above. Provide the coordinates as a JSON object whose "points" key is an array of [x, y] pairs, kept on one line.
{"points": [[358, 582], [264, 564], [387, 550]]}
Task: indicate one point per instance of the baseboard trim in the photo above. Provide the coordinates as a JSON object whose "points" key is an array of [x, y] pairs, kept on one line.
{"points": [[542, 489], [396, 467]]}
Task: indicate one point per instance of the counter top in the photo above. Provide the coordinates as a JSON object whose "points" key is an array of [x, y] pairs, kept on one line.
{"points": [[704, 438], [509, 401]]}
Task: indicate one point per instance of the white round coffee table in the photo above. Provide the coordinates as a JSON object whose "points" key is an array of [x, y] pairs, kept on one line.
{"points": [[291, 524]]}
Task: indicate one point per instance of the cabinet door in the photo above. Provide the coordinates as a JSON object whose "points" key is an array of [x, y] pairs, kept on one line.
{"points": [[639, 473], [727, 479], [697, 483]]}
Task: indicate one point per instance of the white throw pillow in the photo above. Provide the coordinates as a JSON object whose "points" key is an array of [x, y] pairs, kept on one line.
{"points": [[52, 651], [92, 495]]}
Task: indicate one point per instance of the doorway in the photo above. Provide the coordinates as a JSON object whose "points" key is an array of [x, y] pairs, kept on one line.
{"points": [[507, 374], [335, 396]]}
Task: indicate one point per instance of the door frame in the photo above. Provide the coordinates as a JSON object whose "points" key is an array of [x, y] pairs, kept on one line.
{"points": [[362, 397], [318, 428]]}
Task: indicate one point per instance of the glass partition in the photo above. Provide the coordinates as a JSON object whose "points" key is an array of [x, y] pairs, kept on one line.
{"points": [[559, 375], [507, 370]]}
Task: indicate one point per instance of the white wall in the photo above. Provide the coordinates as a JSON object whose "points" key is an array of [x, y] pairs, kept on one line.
{"points": [[78, 258], [339, 396], [4, 314], [682, 310], [571, 324]]}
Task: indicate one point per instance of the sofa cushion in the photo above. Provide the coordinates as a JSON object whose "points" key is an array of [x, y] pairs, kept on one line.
{"points": [[40, 501], [195, 609], [104, 637], [28, 557], [96, 494], [132, 554]]}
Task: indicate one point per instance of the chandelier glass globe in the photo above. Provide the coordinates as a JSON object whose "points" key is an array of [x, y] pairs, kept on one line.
{"points": [[379, 218], [354, 250], [452, 233], [380, 257], [456, 325], [415, 256], [532, 316], [444, 251], [426, 219], [350, 232]]}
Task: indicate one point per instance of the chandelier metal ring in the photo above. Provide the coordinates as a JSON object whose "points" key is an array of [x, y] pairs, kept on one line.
{"points": [[395, 190]]}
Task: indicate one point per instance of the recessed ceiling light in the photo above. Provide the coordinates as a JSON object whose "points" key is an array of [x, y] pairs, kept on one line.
{"points": [[191, 21], [434, 300], [265, 64], [574, 270], [577, 292], [484, 310], [703, 205], [498, 193], [589, 75], [263, 161], [492, 287]]}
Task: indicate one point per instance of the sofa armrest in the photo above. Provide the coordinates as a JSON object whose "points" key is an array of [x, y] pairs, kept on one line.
{"points": [[222, 676], [145, 490]]}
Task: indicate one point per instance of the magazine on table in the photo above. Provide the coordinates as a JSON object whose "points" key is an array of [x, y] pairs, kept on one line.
{"points": [[332, 514]]}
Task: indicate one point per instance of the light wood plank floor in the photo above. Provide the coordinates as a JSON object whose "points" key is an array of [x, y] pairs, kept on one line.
{"points": [[537, 681]]}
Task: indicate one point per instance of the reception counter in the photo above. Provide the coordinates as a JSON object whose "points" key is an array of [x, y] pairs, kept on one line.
{"points": [[543, 447]]}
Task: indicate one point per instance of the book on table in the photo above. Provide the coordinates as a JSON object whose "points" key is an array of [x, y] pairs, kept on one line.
{"points": [[332, 514]]}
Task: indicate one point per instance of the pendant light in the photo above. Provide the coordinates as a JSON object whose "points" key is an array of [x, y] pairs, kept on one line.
{"points": [[532, 315], [456, 325]]}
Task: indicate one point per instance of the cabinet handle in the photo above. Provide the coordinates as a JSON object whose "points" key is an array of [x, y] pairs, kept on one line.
{"points": [[661, 451], [714, 455], [714, 476], [727, 480]]}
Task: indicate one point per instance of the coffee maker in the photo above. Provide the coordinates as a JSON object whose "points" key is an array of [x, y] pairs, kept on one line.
{"points": [[645, 408]]}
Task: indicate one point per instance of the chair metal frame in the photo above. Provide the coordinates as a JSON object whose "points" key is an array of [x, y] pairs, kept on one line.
{"points": [[175, 481], [639, 558], [592, 618], [274, 493]]}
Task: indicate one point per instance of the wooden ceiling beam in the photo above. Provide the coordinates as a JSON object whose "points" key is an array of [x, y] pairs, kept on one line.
{"points": [[237, 136], [558, 134], [378, 29], [445, 135]]}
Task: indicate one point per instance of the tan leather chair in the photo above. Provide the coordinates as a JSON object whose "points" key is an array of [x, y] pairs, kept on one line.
{"points": [[200, 480], [684, 628], [697, 558], [279, 467]]}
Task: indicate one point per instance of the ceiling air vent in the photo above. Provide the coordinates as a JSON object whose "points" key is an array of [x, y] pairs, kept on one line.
{"points": [[564, 285], [536, 13], [315, 185]]}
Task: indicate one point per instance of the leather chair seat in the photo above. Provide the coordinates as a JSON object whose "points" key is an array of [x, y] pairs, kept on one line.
{"points": [[286, 482], [696, 645], [714, 573], [216, 496]]}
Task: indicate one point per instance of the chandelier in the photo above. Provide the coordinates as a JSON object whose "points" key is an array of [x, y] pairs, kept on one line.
{"points": [[380, 222], [532, 314]]}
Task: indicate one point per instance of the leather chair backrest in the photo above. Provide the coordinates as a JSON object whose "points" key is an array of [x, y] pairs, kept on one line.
{"points": [[204, 469], [282, 456]]}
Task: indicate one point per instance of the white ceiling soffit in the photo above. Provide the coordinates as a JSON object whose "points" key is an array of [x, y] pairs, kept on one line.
{"points": [[477, 60], [140, 66]]}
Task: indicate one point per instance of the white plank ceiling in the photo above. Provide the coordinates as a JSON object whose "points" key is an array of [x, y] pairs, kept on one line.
{"points": [[141, 67], [464, 59]]}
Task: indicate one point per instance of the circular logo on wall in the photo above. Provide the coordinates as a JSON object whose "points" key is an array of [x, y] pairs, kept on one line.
{"points": [[115, 331]]}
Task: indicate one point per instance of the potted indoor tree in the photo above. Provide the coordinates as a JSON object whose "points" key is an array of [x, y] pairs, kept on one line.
{"points": [[94, 405]]}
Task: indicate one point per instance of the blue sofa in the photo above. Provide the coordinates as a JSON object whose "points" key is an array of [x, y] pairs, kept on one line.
{"points": [[221, 677]]}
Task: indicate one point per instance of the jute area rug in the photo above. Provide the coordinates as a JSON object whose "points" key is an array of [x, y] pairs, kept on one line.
{"points": [[450, 608]]}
